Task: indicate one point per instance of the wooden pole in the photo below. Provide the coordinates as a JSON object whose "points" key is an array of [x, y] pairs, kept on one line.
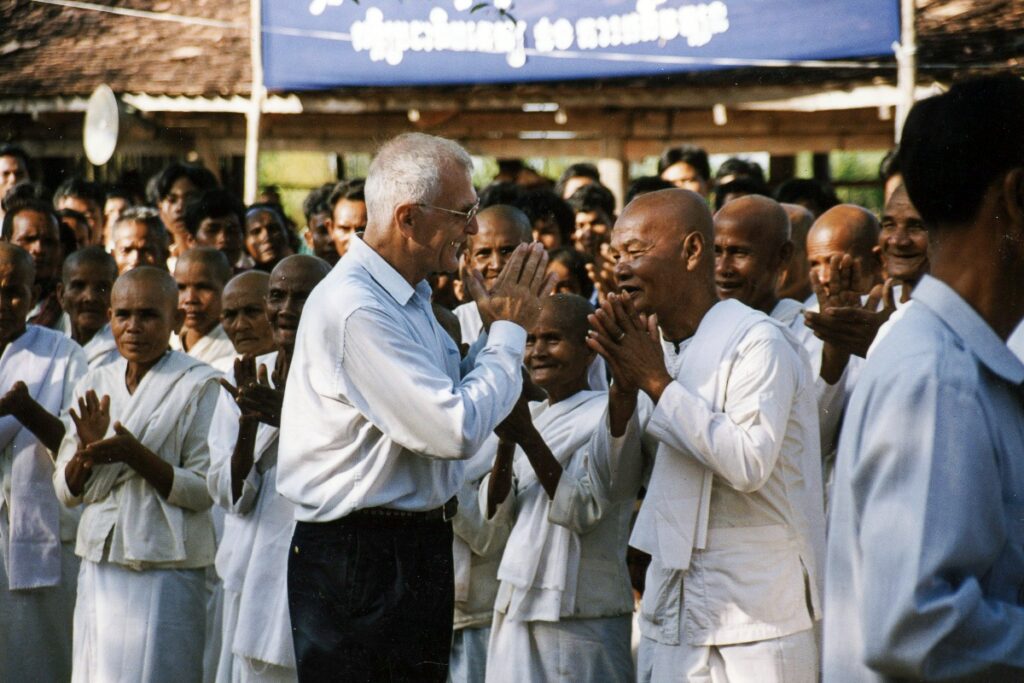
{"points": [[906, 60], [253, 114]]}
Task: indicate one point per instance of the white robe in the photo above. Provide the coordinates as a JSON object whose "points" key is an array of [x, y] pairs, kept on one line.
{"points": [[564, 603], [733, 516], [37, 599], [252, 560], [101, 349], [211, 347], [140, 613]]}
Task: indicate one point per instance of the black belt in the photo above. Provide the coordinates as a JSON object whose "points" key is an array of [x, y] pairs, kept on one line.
{"points": [[441, 514]]}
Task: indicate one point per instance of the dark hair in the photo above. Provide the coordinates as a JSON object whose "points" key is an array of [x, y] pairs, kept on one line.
{"points": [[742, 186], [687, 154], [580, 170], [76, 186], [593, 197], [16, 152], [352, 190], [215, 203], [23, 191], [889, 165], [159, 186], [118, 192], [68, 238], [317, 201], [740, 168], [577, 265], [544, 204], [817, 196], [503, 192], [645, 184], [30, 203], [956, 145]]}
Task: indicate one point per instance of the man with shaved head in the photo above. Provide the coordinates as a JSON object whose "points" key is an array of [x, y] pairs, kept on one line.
{"points": [[903, 240], [140, 239], [243, 315], [135, 457], [795, 281], [502, 229], [84, 293], [752, 246], [38, 371], [201, 273], [252, 559], [733, 514], [564, 603]]}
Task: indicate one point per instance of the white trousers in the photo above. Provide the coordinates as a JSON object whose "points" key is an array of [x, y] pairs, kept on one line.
{"points": [[139, 626], [790, 659], [577, 650]]}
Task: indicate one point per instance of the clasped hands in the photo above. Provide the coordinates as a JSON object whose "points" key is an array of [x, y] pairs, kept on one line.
{"points": [[631, 345], [518, 291], [256, 398], [842, 320]]}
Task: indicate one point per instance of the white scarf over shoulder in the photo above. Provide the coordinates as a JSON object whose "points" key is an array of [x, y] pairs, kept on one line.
{"points": [[39, 358], [541, 560]]}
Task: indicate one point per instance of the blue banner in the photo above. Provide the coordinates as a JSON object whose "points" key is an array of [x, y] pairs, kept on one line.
{"points": [[316, 44]]}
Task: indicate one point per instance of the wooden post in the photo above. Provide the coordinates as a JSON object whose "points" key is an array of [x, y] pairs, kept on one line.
{"points": [[614, 169], [906, 59], [255, 111]]}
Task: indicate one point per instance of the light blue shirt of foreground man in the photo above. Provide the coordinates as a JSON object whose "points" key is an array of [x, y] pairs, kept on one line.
{"points": [[925, 574]]}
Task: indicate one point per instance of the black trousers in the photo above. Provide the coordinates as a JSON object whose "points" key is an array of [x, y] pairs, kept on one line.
{"points": [[371, 599]]}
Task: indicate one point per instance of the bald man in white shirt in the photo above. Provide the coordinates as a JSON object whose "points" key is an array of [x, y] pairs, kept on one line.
{"points": [[379, 415]]}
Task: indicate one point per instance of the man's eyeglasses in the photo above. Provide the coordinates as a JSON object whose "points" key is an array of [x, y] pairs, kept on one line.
{"points": [[468, 215]]}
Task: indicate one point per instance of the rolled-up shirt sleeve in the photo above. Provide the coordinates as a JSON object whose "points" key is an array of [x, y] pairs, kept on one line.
{"points": [[742, 444], [410, 399]]}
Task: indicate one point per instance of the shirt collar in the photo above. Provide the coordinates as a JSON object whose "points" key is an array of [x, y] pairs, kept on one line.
{"points": [[382, 272], [972, 330]]}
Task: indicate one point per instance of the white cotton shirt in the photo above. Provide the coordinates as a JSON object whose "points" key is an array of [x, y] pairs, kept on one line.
{"points": [[377, 409]]}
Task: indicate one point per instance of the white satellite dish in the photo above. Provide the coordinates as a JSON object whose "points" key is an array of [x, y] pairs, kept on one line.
{"points": [[102, 122]]}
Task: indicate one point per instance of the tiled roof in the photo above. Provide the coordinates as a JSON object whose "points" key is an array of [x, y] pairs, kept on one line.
{"points": [[48, 50]]}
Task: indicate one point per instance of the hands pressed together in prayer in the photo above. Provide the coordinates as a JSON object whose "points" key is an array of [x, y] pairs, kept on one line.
{"points": [[258, 402], [847, 326], [518, 291], [256, 398], [630, 344]]}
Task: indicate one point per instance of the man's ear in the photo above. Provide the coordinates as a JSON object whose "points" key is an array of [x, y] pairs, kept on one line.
{"points": [[405, 218], [786, 253], [60, 294], [693, 250], [1013, 197]]}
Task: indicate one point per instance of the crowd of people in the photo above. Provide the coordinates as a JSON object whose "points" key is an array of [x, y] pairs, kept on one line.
{"points": [[728, 433]]}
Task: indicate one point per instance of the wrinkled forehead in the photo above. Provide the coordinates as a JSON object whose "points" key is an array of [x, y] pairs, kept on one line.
{"points": [[637, 227], [240, 295]]}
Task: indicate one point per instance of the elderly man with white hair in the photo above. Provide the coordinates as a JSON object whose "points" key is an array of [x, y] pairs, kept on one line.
{"points": [[379, 415]]}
